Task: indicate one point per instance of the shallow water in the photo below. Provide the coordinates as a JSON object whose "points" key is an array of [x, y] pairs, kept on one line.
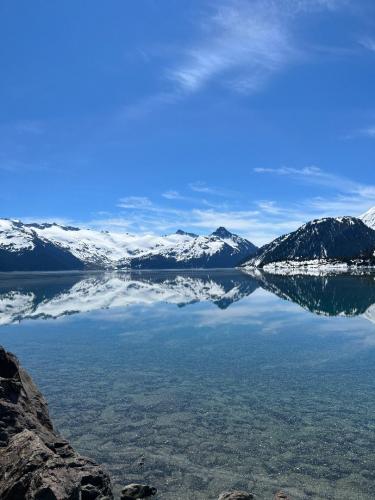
{"points": [[212, 380]]}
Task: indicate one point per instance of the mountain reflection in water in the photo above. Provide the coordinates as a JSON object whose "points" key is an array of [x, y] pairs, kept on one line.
{"points": [[52, 295]]}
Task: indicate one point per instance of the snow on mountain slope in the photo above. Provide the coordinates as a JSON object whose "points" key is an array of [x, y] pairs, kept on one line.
{"points": [[369, 218], [219, 249], [14, 236], [21, 249], [103, 248], [321, 242], [107, 250]]}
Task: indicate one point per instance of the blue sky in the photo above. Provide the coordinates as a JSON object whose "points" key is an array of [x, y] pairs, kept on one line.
{"points": [[151, 115]]}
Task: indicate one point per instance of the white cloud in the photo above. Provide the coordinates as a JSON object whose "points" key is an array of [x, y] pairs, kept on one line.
{"points": [[306, 5], [172, 195], [369, 131], [368, 43], [313, 175], [349, 198], [176, 195], [244, 43], [137, 202], [254, 224], [202, 187], [240, 45], [258, 220], [305, 171]]}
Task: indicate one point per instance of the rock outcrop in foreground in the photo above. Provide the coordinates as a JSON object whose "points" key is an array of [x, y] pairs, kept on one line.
{"points": [[35, 462]]}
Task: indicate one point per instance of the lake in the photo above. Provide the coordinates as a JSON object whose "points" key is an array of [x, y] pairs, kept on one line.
{"points": [[202, 381]]}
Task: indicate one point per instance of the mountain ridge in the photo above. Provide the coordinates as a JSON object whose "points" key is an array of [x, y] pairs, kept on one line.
{"points": [[330, 241], [50, 246]]}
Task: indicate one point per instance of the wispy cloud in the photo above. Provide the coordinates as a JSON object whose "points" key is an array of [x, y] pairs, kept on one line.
{"points": [[157, 220], [204, 188], [312, 175], [368, 43], [140, 214], [258, 220], [243, 44], [173, 195], [348, 197], [306, 5], [238, 45], [365, 132], [138, 202], [369, 131]]}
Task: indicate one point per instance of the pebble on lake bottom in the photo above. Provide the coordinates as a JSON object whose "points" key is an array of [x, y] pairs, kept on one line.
{"points": [[236, 495]]}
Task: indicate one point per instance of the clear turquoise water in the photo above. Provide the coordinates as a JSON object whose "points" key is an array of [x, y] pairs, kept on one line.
{"points": [[213, 380]]}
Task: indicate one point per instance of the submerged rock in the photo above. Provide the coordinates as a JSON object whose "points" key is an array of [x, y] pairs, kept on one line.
{"points": [[35, 462], [281, 495], [236, 495], [134, 491]]}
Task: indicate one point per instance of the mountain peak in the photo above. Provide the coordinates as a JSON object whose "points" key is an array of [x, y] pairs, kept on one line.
{"points": [[369, 218], [222, 232], [185, 233]]}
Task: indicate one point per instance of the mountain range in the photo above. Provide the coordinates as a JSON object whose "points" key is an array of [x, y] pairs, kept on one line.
{"points": [[327, 243], [52, 247]]}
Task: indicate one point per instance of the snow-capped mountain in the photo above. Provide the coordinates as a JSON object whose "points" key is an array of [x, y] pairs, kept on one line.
{"points": [[369, 218], [219, 249], [55, 247], [21, 249], [321, 243], [73, 293]]}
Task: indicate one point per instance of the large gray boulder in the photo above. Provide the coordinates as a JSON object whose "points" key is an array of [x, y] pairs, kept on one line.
{"points": [[35, 462]]}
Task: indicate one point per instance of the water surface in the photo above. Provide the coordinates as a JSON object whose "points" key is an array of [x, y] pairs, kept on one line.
{"points": [[206, 381]]}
